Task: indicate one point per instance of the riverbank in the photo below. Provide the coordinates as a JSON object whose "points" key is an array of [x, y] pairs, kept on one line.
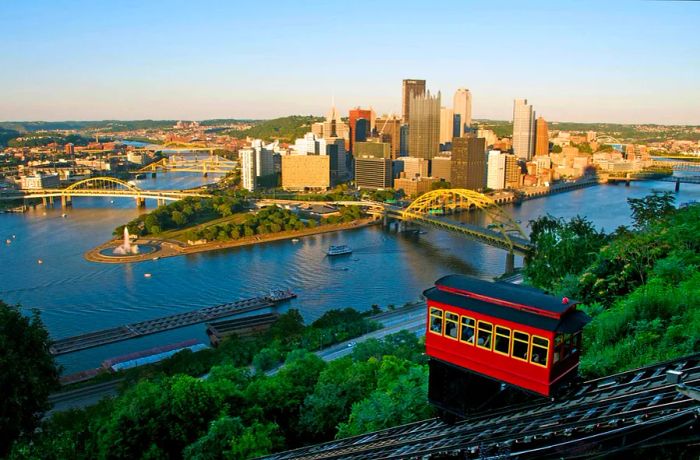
{"points": [[560, 187], [171, 248]]}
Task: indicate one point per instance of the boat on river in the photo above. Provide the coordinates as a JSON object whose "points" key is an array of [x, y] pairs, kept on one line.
{"points": [[338, 250]]}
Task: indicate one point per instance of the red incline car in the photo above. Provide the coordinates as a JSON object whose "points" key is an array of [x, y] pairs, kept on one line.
{"points": [[480, 333]]}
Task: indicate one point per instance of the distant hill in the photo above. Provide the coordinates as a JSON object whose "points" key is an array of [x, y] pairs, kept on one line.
{"points": [[623, 132], [285, 129], [106, 125], [7, 135]]}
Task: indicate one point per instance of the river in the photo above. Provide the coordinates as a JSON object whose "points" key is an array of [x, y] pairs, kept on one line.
{"points": [[76, 296]]}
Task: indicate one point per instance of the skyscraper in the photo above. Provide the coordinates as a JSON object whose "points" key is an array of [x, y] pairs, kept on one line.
{"points": [[468, 163], [248, 171], [424, 126], [391, 128], [462, 105], [513, 172], [542, 137], [410, 87], [373, 165], [496, 175], [354, 115], [334, 126], [523, 129], [446, 125]]}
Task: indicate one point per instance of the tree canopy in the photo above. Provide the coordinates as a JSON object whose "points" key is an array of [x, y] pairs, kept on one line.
{"points": [[28, 374]]}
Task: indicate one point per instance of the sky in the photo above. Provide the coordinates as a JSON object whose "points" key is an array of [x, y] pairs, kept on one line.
{"points": [[588, 61]]}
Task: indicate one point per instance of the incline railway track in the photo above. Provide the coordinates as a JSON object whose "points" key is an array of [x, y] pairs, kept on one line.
{"points": [[624, 410]]}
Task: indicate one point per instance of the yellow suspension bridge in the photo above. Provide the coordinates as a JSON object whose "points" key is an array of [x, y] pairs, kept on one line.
{"points": [[102, 186]]}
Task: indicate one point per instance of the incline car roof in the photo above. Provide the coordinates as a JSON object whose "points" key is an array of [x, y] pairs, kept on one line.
{"points": [[509, 292], [567, 323]]}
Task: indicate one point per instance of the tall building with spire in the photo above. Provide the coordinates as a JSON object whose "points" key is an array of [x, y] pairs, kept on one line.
{"points": [[541, 137], [424, 126], [462, 106], [523, 129], [334, 126], [410, 87]]}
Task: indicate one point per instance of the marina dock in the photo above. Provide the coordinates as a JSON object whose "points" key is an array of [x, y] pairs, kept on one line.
{"points": [[166, 323]]}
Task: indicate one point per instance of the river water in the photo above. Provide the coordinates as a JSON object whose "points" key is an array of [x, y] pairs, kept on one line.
{"points": [[76, 296]]}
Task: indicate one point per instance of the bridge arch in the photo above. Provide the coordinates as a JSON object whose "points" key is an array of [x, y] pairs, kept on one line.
{"points": [[103, 183], [452, 199]]}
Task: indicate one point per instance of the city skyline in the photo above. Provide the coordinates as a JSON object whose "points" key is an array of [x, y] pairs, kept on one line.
{"points": [[155, 61]]}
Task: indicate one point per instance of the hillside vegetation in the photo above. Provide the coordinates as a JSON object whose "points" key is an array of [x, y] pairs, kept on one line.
{"points": [[285, 129], [641, 285]]}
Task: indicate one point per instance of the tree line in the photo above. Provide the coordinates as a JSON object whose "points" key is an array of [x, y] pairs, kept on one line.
{"points": [[238, 410]]}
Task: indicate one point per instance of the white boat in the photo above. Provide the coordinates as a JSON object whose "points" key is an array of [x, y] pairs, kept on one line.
{"points": [[156, 258], [146, 275], [338, 250], [64, 215], [295, 240], [40, 261], [8, 241]]}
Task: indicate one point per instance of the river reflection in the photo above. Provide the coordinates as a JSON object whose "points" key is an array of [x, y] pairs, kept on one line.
{"points": [[76, 296]]}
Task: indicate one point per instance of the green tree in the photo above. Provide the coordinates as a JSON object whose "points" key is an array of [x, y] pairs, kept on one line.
{"points": [[400, 397], [556, 149], [179, 218], [651, 208], [281, 396], [229, 438], [343, 383], [160, 418], [440, 185], [266, 359], [561, 248], [28, 374]]}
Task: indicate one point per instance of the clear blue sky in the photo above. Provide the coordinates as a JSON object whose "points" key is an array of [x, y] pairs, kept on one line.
{"points": [[616, 61]]}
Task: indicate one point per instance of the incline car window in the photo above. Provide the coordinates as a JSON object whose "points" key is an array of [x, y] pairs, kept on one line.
{"points": [[521, 343], [451, 324], [485, 331], [540, 349], [502, 344], [436, 320], [468, 325]]}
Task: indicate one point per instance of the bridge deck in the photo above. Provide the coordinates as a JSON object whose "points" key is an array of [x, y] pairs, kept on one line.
{"points": [[485, 235], [165, 323]]}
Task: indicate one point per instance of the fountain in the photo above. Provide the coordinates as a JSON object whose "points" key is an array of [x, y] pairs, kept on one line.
{"points": [[126, 248]]}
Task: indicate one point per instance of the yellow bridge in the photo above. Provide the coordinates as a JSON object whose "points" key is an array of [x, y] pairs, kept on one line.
{"points": [[430, 208], [102, 186], [501, 230], [212, 164]]}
